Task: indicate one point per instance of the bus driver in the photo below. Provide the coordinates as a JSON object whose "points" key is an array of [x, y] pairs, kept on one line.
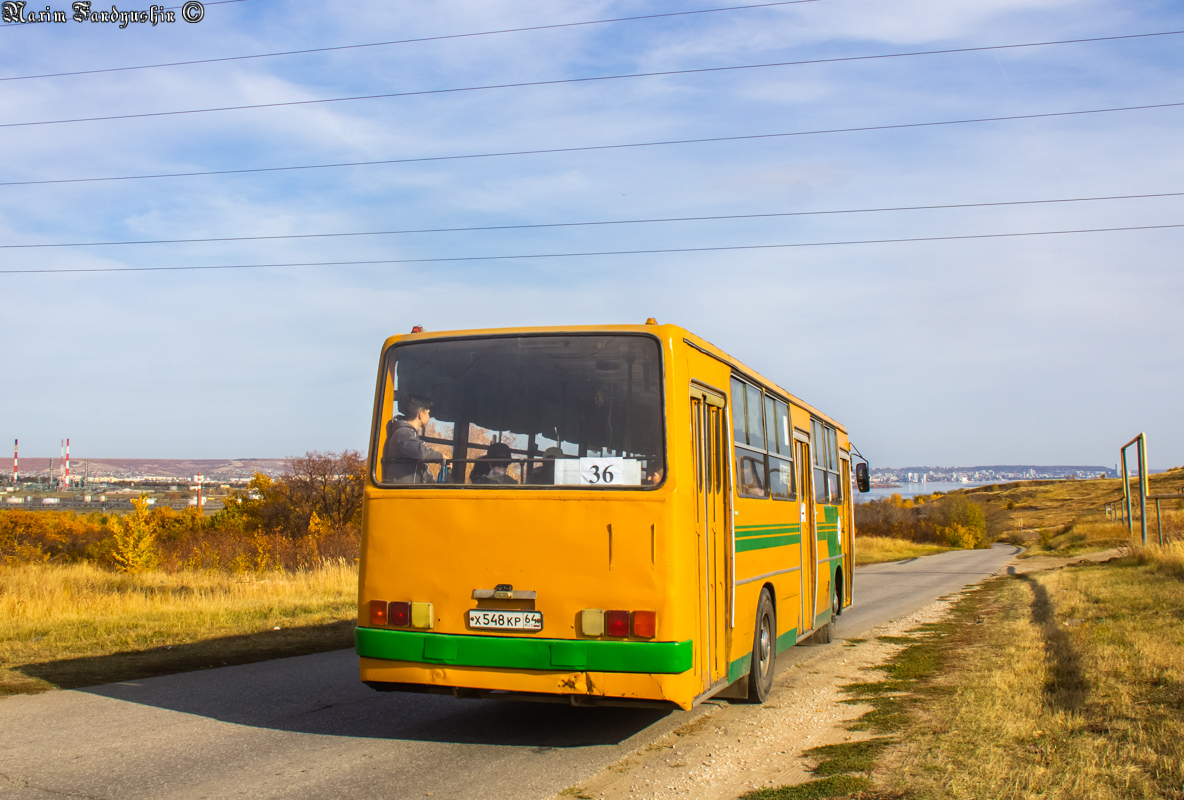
{"points": [[405, 455]]}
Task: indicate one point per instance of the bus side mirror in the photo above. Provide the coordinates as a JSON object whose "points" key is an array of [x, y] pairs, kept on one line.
{"points": [[863, 481]]}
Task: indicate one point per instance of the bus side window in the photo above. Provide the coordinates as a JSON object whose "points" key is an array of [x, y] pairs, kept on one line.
{"points": [[832, 469], [781, 477], [749, 434], [827, 486], [818, 449], [738, 413]]}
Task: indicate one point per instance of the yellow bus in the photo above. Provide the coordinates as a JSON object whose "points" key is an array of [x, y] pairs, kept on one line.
{"points": [[604, 515]]}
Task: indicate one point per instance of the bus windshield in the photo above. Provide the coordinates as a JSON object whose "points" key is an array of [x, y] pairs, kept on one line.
{"points": [[527, 411]]}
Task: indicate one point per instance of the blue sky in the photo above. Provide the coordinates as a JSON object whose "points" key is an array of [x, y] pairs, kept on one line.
{"points": [[1041, 349]]}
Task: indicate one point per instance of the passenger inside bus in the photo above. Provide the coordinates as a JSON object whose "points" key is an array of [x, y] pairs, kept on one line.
{"points": [[491, 467], [544, 473], [405, 457], [751, 481]]}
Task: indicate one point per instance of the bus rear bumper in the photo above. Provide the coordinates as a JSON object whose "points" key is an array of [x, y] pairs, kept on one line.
{"points": [[580, 672], [521, 652], [551, 686]]}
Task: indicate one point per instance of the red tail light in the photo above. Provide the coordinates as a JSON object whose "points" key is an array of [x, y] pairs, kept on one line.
{"points": [[377, 612], [616, 623], [400, 614], [645, 624]]}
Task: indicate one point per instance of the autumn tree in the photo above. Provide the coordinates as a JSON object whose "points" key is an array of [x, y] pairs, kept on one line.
{"points": [[134, 539], [318, 493]]}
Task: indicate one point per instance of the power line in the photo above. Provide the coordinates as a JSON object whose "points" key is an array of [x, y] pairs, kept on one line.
{"points": [[598, 147], [475, 228], [405, 41], [585, 255], [554, 82]]}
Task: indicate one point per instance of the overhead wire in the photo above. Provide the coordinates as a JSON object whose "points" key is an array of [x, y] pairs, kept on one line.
{"points": [[554, 82], [642, 221], [524, 256], [594, 148], [404, 41]]}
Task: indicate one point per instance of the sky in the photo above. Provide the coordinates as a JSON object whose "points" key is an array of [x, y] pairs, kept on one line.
{"points": [[1055, 348]]}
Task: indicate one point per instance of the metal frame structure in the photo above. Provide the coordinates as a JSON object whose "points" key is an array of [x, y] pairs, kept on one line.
{"points": [[1141, 440]]}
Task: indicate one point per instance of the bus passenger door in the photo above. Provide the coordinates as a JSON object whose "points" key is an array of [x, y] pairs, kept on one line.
{"points": [[809, 544], [710, 447]]}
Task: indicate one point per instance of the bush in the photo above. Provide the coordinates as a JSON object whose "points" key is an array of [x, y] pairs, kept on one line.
{"points": [[310, 513], [954, 520]]}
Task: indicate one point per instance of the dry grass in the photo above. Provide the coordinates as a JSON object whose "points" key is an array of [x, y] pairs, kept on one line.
{"points": [[877, 549], [1086, 535], [1071, 686], [1168, 558], [1054, 504], [64, 625]]}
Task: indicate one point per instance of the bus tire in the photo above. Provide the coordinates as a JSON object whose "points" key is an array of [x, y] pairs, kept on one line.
{"points": [[826, 634], [764, 651]]}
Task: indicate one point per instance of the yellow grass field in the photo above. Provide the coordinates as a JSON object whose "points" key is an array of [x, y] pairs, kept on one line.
{"points": [[76, 625], [878, 549], [1068, 684]]}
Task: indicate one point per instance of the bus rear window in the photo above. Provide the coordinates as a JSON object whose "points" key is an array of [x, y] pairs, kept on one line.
{"points": [[543, 410]]}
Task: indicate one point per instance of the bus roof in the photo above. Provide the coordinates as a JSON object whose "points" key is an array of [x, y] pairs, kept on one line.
{"points": [[673, 333]]}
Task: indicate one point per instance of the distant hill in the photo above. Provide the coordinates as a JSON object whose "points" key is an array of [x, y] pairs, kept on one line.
{"points": [[181, 468]]}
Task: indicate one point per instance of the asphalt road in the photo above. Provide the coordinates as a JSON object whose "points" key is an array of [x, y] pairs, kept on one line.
{"points": [[305, 728]]}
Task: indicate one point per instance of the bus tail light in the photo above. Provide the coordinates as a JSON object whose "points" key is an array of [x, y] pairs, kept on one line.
{"points": [[378, 612], [421, 615], [400, 614], [645, 624], [616, 623], [592, 622]]}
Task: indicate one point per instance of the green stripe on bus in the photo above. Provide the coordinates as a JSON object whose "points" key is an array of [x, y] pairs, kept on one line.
{"points": [[739, 668], [512, 652], [748, 533], [744, 545]]}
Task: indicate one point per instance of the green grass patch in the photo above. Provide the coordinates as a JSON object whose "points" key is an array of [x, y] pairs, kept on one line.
{"points": [[877, 687], [888, 714], [834, 786], [854, 642], [896, 639], [837, 759], [916, 661]]}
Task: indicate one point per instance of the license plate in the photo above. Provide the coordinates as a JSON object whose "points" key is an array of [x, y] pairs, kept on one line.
{"points": [[506, 620]]}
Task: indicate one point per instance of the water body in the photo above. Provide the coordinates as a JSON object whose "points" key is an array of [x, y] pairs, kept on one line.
{"points": [[914, 489]]}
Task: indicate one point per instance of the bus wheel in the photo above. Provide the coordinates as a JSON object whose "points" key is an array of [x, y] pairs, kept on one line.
{"points": [[764, 651], [826, 634]]}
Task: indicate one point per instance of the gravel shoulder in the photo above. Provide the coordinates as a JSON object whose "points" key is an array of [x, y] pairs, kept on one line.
{"points": [[738, 747]]}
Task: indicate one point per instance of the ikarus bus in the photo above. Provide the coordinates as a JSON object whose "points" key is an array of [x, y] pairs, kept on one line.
{"points": [[595, 515]]}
